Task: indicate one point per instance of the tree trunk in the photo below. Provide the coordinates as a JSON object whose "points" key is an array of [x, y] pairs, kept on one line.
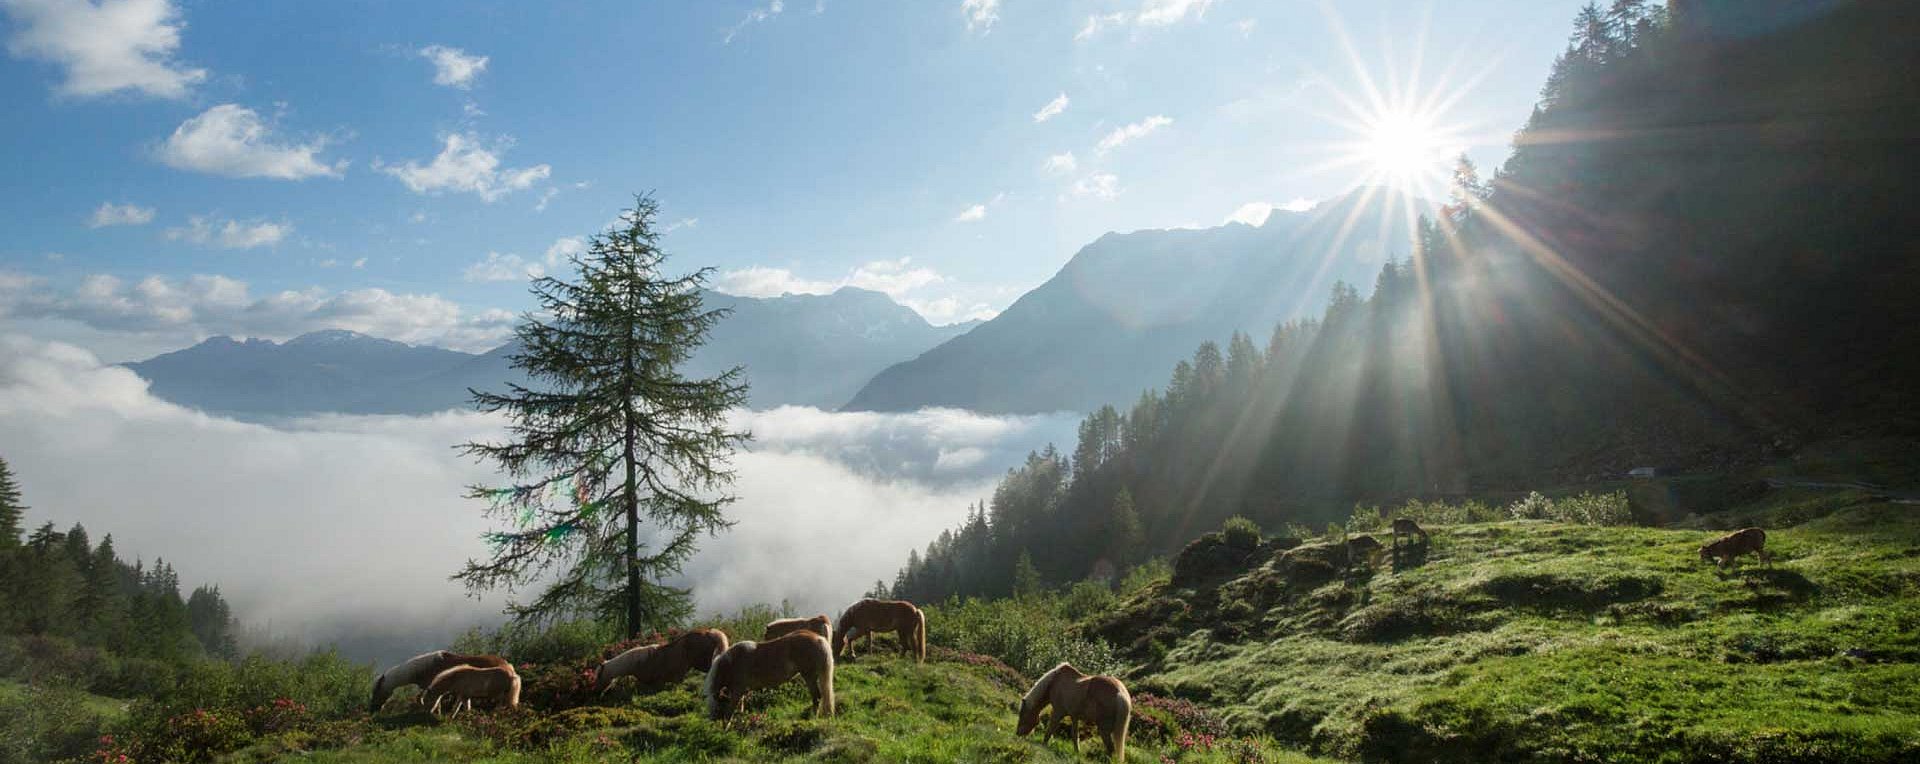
{"points": [[632, 490]]}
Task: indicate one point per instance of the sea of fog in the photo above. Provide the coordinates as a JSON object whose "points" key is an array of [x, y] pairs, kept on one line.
{"points": [[344, 529]]}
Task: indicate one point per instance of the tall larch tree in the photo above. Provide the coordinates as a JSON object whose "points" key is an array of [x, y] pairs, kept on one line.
{"points": [[608, 435]]}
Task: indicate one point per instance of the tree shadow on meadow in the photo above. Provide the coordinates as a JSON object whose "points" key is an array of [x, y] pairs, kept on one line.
{"points": [[1769, 588]]}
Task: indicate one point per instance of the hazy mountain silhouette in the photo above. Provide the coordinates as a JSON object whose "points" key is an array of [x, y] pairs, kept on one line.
{"points": [[1129, 306], [798, 349]]}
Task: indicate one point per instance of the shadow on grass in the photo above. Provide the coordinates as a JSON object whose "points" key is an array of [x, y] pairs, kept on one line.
{"points": [[1769, 588], [1410, 555]]}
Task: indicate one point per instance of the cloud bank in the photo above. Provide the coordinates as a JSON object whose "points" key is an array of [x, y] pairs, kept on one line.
{"points": [[158, 313], [345, 528]]}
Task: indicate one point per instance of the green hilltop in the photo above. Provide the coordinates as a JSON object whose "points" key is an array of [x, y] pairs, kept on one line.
{"points": [[1510, 640]]}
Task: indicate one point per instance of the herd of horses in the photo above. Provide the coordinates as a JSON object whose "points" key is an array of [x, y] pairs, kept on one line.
{"points": [[806, 648], [789, 649]]}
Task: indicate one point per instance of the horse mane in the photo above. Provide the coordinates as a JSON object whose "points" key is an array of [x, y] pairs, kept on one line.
{"points": [[1045, 684]]}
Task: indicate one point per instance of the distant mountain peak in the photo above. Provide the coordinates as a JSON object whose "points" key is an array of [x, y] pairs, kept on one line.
{"points": [[331, 335]]}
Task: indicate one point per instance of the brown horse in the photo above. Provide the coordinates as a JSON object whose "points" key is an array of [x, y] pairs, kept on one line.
{"points": [[749, 666], [1100, 700], [420, 670], [663, 663], [782, 627], [1362, 548], [1405, 526], [870, 615], [1727, 549], [465, 684]]}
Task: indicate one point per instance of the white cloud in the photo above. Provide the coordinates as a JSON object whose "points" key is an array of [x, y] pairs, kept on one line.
{"points": [[231, 234], [1152, 13], [1100, 185], [453, 67], [1246, 26], [563, 248], [360, 262], [1052, 109], [973, 214], [545, 196], [1060, 164], [1165, 12], [1128, 133], [893, 277], [231, 140], [1096, 23], [110, 214], [1257, 213], [464, 165], [679, 224], [83, 436], [499, 267], [899, 279], [755, 16], [164, 313], [980, 14], [105, 47]]}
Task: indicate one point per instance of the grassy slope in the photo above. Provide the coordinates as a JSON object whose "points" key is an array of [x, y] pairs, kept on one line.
{"points": [[890, 709], [1529, 639]]}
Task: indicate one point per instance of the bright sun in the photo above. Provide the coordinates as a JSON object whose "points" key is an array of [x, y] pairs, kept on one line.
{"points": [[1402, 147]]}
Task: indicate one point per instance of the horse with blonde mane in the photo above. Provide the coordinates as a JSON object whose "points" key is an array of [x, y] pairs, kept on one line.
{"points": [[749, 666], [784, 626], [662, 663], [870, 615], [420, 670], [1101, 700], [465, 684]]}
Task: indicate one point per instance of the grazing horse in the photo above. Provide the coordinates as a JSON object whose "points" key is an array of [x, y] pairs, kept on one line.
{"points": [[749, 666], [420, 670], [466, 684], [870, 615], [1404, 526], [1727, 549], [1101, 700], [662, 663], [1364, 547], [782, 627]]}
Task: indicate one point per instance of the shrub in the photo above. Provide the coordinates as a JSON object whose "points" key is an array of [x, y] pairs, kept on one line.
{"points": [[1240, 532], [1534, 507], [1596, 509], [564, 642], [1086, 598], [1584, 509], [45, 723], [1365, 518], [1154, 570]]}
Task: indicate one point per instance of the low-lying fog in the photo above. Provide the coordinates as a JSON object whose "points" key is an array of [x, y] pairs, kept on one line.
{"points": [[344, 529]]}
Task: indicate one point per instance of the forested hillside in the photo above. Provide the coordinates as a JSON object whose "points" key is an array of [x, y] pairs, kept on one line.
{"points": [[1699, 256], [1129, 305]]}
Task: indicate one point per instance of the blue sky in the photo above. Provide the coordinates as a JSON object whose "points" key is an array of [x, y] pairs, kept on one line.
{"points": [[180, 169]]}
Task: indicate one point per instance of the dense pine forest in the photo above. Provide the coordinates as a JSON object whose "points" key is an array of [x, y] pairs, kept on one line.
{"points": [[1698, 256], [62, 588]]}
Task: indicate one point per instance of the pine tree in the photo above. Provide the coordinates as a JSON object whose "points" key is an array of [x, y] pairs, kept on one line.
{"points": [[1026, 578], [11, 510], [610, 436], [212, 622], [1125, 534]]}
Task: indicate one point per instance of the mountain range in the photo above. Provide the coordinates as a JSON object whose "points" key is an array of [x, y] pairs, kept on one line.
{"points": [[1126, 308], [1108, 325], [812, 350]]}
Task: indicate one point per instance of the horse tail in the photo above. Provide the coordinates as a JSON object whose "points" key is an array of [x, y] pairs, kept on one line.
{"points": [[826, 683], [920, 633], [1123, 713], [379, 698]]}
